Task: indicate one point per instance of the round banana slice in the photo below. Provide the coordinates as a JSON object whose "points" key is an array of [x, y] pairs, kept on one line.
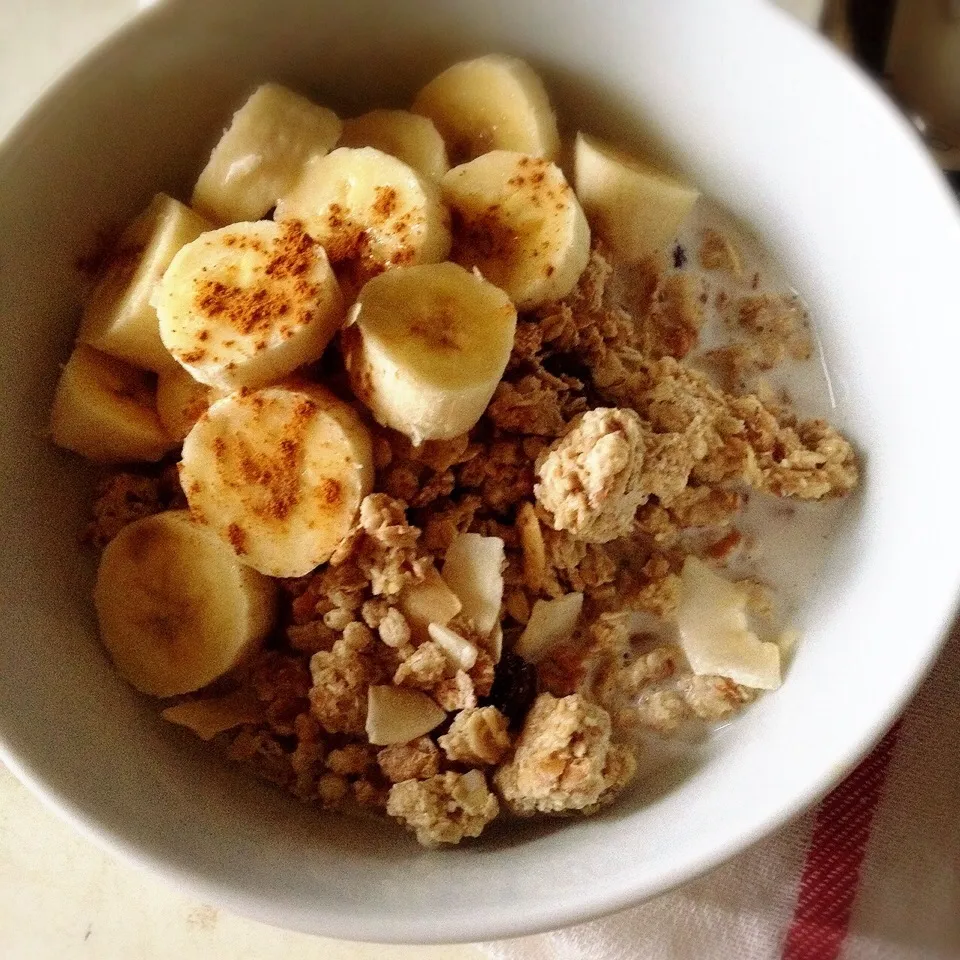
{"points": [[181, 400], [176, 608], [245, 305], [103, 409], [259, 157], [518, 221], [370, 211], [491, 103], [404, 135], [278, 474], [634, 206], [118, 318], [428, 347]]}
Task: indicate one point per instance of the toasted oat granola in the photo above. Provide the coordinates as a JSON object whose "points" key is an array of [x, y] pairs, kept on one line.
{"points": [[601, 462]]}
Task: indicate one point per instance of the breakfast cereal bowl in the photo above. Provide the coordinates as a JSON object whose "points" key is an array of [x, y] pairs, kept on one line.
{"points": [[772, 126]]}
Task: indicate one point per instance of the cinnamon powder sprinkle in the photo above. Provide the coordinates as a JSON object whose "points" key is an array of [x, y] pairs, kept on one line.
{"points": [[254, 309], [238, 539]]}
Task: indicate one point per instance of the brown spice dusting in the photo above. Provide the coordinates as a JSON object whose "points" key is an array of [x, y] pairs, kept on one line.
{"points": [[331, 492], [238, 539], [484, 237], [385, 203], [255, 309], [268, 472]]}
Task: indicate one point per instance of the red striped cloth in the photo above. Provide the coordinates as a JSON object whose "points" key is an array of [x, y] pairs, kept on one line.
{"points": [[872, 874], [831, 873]]}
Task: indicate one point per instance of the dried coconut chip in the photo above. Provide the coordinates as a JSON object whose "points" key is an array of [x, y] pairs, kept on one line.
{"points": [[207, 718], [430, 601], [495, 643], [714, 631], [399, 715], [551, 623], [462, 653], [534, 549], [473, 569]]}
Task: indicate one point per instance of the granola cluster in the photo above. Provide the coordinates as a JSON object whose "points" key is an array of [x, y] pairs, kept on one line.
{"points": [[601, 463]]}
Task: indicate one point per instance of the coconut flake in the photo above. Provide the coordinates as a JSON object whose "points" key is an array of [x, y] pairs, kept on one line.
{"points": [[207, 718], [551, 623], [430, 601], [462, 653], [473, 569], [398, 715], [715, 633]]}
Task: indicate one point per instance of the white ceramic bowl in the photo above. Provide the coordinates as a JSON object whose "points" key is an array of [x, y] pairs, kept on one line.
{"points": [[769, 122]]}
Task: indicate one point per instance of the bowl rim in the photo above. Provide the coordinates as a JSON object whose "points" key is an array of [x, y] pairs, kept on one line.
{"points": [[402, 930]]}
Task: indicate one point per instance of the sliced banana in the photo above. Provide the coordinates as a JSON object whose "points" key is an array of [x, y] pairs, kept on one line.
{"points": [[518, 221], [103, 409], [427, 348], [635, 207], [491, 103], [247, 304], [278, 474], [118, 318], [407, 136], [370, 211], [181, 400], [260, 155], [176, 608]]}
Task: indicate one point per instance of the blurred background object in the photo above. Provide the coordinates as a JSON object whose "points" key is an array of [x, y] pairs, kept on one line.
{"points": [[913, 47]]}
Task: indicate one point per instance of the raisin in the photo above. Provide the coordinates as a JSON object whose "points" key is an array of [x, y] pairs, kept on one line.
{"points": [[514, 688]]}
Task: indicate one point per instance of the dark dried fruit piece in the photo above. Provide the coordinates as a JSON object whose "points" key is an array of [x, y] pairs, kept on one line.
{"points": [[514, 688]]}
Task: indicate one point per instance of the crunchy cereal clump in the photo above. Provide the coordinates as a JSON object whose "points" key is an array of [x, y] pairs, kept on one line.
{"points": [[713, 698], [426, 667], [417, 760], [564, 760], [717, 252], [477, 737], [444, 808], [591, 481], [281, 683], [383, 546], [665, 707], [351, 760], [773, 329], [120, 499], [341, 678], [538, 404]]}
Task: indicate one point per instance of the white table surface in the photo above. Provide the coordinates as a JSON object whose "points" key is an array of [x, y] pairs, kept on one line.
{"points": [[61, 897]]}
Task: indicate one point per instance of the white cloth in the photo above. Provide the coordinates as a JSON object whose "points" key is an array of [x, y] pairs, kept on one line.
{"points": [[872, 874]]}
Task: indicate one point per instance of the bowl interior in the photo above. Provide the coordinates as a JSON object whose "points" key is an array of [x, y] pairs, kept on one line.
{"points": [[768, 122]]}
